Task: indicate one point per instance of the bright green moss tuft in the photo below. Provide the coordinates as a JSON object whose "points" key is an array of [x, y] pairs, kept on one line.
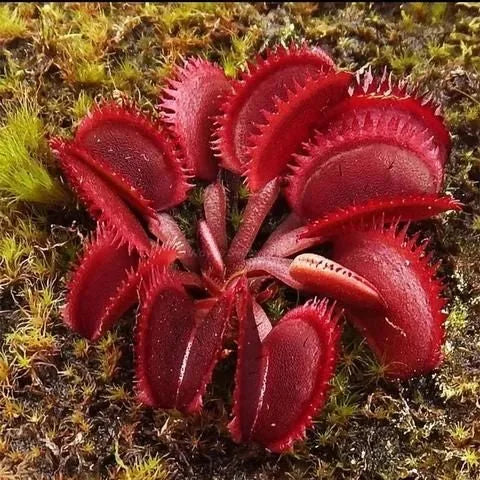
{"points": [[149, 468], [241, 51], [82, 105], [12, 25], [89, 74], [127, 74]]}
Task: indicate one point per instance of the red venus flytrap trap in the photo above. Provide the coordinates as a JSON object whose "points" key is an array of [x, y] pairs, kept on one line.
{"points": [[356, 157]]}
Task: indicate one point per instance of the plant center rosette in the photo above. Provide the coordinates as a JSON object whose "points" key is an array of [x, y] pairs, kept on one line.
{"points": [[355, 156]]}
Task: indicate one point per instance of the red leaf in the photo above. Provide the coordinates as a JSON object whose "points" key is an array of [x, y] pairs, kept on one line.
{"points": [[165, 228], [103, 286], [368, 147], [101, 200], [289, 223], [407, 338], [402, 96], [205, 351], [215, 208], [190, 102], [255, 94], [177, 347], [326, 277], [273, 266], [385, 209], [212, 258], [258, 206], [282, 381], [135, 155], [289, 243], [290, 125]]}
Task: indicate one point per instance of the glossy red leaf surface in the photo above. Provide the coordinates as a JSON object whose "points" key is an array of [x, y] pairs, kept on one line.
{"points": [[290, 125], [370, 146], [177, 347], [211, 256], [103, 286], [204, 352], [407, 337], [256, 93], [326, 277], [134, 154], [282, 380], [190, 102], [99, 196], [258, 206], [215, 208]]}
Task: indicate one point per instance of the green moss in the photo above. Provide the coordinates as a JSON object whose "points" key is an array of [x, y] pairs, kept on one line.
{"points": [[183, 13], [403, 63], [195, 196], [439, 53], [457, 319], [11, 80], [12, 25], [241, 50], [12, 254], [23, 175], [127, 74], [426, 13], [89, 74], [25, 124], [149, 468], [4, 370], [276, 307], [82, 105]]}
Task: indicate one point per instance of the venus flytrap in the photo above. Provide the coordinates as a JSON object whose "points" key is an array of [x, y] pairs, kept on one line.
{"points": [[356, 157]]}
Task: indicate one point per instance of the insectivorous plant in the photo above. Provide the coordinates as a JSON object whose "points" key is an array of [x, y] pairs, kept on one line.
{"points": [[356, 157]]}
